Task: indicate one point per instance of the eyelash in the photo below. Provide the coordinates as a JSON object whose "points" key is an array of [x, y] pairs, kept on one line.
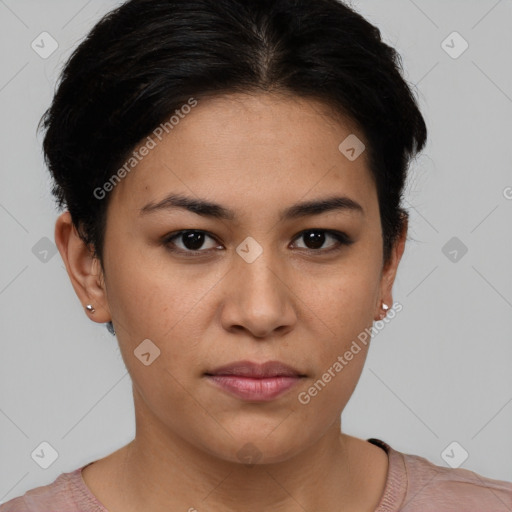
{"points": [[341, 238]]}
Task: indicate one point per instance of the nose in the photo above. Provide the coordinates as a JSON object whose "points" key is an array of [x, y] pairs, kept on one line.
{"points": [[258, 299]]}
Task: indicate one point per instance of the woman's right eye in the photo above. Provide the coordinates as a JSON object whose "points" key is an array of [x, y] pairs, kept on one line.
{"points": [[192, 241]]}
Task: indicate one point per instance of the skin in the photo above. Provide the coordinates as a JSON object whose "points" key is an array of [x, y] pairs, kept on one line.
{"points": [[255, 154]]}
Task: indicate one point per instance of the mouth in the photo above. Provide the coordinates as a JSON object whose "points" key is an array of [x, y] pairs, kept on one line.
{"points": [[257, 370], [255, 382]]}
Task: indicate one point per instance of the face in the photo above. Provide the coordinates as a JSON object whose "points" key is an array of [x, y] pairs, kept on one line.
{"points": [[264, 282]]}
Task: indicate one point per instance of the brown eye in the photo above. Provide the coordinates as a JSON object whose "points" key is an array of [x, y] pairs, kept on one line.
{"points": [[191, 240], [315, 239]]}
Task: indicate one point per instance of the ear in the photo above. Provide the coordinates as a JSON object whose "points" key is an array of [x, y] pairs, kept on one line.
{"points": [[389, 272], [83, 268]]}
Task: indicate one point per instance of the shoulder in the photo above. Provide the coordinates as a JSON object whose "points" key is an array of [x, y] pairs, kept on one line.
{"points": [[437, 488], [64, 494]]}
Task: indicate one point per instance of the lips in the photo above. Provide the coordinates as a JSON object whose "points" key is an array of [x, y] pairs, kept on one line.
{"points": [[255, 382], [256, 370]]}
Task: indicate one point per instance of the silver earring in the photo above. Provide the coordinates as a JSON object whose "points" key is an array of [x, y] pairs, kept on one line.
{"points": [[90, 308], [110, 328], [385, 307]]}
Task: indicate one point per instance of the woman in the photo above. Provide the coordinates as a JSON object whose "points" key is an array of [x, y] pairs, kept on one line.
{"points": [[232, 172]]}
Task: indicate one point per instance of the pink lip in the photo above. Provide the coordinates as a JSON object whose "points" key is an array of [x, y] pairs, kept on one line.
{"points": [[255, 389], [255, 381]]}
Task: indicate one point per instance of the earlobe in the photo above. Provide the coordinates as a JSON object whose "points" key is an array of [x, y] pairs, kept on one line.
{"points": [[389, 274], [384, 311], [84, 270]]}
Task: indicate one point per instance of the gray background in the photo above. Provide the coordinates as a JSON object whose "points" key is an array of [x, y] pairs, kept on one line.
{"points": [[438, 373]]}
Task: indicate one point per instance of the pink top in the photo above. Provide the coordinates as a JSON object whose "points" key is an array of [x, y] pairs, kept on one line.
{"points": [[413, 485]]}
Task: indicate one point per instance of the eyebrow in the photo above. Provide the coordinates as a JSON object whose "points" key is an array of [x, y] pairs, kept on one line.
{"points": [[209, 209]]}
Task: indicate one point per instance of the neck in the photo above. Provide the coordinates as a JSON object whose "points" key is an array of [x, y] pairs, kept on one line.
{"points": [[161, 471], [207, 483]]}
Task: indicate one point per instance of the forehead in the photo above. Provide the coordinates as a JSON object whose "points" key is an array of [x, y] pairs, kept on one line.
{"points": [[265, 148]]}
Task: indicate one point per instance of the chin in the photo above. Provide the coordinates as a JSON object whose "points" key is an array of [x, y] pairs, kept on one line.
{"points": [[257, 447]]}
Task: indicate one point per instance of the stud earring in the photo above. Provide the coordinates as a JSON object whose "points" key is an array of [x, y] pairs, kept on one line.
{"points": [[385, 307], [90, 308]]}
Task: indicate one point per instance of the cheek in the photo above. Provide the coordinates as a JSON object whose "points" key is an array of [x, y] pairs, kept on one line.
{"points": [[166, 305], [340, 301], [340, 357], [331, 389], [148, 293], [340, 309]]}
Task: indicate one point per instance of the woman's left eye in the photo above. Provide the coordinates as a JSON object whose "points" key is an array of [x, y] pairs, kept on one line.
{"points": [[316, 238], [193, 240]]}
